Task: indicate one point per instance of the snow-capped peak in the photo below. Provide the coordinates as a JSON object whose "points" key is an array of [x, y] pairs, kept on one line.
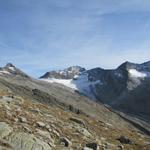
{"points": [[9, 65], [3, 72], [68, 73], [10, 69]]}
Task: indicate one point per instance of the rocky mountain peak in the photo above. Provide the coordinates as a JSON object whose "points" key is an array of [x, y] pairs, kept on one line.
{"points": [[10, 69], [146, 63], [9, 65], [68, 73], [127, 65], [75, 68]]}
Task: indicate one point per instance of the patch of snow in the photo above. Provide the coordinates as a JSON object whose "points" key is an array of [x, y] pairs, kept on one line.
{"points": [[4, 72], [11, 68], [61, 72], [69, 71], [66, 82], [137, 74], [84, 85], [80, 83], [75, 77]]}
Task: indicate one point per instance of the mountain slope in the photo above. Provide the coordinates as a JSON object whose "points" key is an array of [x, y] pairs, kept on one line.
{"points": [[48, 116], [29, 125]]}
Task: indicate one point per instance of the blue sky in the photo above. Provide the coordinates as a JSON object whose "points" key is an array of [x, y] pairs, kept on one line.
{"points": [[42, 35]]}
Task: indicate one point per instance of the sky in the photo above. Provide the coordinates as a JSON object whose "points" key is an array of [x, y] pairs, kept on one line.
{"points": [[42, 35]]}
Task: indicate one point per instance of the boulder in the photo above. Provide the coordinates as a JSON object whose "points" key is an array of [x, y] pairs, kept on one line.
{"points": [[5, 129], [22, 119], [41, 124], [24, 141], [124, 140], [91, 146], [56, 133], [65, 141], [109, 146], [87, 148], [78, 121], [43, 134], [85, 132], [120, 147]]}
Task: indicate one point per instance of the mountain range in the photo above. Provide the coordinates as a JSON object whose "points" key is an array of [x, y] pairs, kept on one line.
{"points": [[126, 88], [76, 109]]}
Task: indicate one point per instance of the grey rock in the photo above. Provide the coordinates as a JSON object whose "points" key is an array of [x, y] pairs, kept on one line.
{"points": [[47, 127], [109, 146], [16, 119], [91, 146], [7, 107], [24, 141], [55, 133], [36, 111], [8, 113], [41, 124], [120, 147], [77, 120], [85, 132], [87, 148], [27, 129], [124, 140], [65, 141], [22, 119], [5, 129], [43, 133]]}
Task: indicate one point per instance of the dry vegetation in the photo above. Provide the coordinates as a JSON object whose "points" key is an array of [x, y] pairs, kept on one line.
{"points": [[58, 124]]}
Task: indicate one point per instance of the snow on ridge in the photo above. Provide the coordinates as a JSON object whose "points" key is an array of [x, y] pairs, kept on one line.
{"points": [[75, 77], [138, 74], [11, 68], [66, 82], [80, 83], [4, 72]]}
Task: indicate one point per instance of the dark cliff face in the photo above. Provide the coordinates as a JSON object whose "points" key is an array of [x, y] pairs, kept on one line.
{"points": [[122, 90]]}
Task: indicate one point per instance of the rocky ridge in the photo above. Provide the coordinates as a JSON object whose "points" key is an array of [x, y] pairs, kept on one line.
{"points": [[68, 73]]}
